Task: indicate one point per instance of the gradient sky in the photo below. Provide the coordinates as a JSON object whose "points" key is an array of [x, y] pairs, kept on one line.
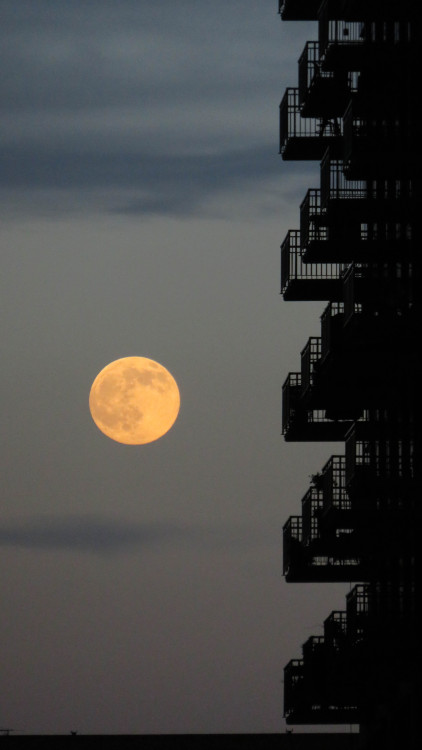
{"points": [[143, 204]]}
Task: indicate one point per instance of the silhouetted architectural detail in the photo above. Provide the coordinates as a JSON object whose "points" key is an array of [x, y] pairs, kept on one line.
{"points": [[354, 111]]}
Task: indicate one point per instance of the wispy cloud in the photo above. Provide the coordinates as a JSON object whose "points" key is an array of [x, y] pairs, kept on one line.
{"points": [[142, 184], [100, 535], [85, 534], [138, 111]]}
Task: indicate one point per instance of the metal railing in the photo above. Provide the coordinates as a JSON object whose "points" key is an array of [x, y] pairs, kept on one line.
{"points": [[309, 68], [334, 87], [335, 629], [358, 611], [335, 185], [292, 529], [293, 267], [314, 647], [332, 31], [293, 125], [311, 504], [310, 357], [313, 220], [293, 680], [290, 396], [334, 484]]}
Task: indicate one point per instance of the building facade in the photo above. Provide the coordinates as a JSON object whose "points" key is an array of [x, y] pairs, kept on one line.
{"points": [[354, 111]]}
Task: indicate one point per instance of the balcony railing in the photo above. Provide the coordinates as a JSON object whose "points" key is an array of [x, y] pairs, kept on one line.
{"points": [[336, 187], [312, 559], [305, 138], [358, 612], [307, 281], [293, 685], [324, 232], [310, 358], [333, 479], [311, 507], [291, 394], [322, 93], [314, 652], [313, 219], [335, 629], [342, 42], [293, 553], [315, 692], [300, 423]]}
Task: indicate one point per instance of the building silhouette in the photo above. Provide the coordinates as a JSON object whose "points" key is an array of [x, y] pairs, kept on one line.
{"points": [[354, 112]]}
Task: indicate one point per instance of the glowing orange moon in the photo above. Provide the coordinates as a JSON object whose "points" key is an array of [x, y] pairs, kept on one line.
{"points": [[134, 400]]}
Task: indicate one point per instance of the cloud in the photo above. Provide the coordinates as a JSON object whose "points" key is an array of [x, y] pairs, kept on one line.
{"points": [[130, 107], [137, 183], [100, 535], [99, 56], [85, 534]]}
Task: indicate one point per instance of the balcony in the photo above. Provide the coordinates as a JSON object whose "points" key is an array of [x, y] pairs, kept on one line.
{"points": [[331, 217], [385, 614], [342, 42], [315, 691], [327, 384], [335, 630], [300, 423], [309, 556], [299, 536], [359, 609], [310, 359], [312, 503], [306, 138], [362, 239], [322, 93], [337, 520], [357, 363], [299, 10], [340, 196], [301, 280], [342, 381], [325, 235], [352, 39], [302, 565], [333, 482]]}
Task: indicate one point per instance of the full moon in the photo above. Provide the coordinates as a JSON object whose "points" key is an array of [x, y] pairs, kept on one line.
{"points": [[134, 400]]}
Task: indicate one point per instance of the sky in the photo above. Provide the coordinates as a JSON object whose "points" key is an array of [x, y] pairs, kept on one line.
{"points": [[143, 204]]}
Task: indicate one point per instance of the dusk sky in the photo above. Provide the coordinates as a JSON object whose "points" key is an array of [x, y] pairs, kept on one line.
{"points": [[143, 204]]}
